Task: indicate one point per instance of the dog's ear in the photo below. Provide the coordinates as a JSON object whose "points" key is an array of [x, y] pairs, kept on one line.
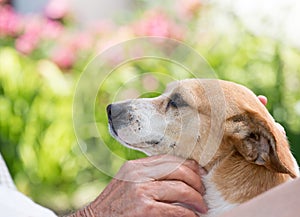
{"points": [[260, 142]]}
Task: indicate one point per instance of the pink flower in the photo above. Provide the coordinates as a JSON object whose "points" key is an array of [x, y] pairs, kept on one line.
{"points": [[57, 9], [51, 29], [156, 23], [26, 43], [81, 41], [10, 23], [29, 40], [64, 57]]}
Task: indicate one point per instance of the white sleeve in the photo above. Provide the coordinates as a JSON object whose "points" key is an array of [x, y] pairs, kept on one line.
{"points": [[16, 204]]}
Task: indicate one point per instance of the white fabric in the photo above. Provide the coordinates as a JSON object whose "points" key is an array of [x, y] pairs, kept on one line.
{"points": [[5, 178], [15, 204]]}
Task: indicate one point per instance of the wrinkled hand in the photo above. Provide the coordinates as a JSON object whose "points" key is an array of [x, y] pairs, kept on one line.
{"points": [[153, 187]]}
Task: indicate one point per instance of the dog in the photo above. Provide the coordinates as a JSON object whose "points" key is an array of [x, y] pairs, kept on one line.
{"points": [[221, 125]]}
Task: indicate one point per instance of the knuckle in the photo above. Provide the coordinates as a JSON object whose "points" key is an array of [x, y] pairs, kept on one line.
{"points": [[140, 190], [143, 190]]}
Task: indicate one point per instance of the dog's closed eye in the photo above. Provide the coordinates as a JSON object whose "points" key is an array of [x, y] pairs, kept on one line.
{"points": [[171, 104], [176, 101]]}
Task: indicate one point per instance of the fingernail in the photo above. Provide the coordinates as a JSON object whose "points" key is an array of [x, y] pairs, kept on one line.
{"points": [[202, 190], [205, 209], [202, 209], [263, 99]]}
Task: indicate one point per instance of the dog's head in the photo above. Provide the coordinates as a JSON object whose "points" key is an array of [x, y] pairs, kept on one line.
{"points": [[190, 117]]}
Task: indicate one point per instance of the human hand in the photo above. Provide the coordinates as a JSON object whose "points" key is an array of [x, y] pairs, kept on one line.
{"points": [[153, 187]]}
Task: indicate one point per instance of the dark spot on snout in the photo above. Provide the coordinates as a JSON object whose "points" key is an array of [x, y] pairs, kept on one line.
{"points": [[173, 145]]}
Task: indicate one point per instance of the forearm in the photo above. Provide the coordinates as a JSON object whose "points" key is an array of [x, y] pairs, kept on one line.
{"points": [[278, 202]]}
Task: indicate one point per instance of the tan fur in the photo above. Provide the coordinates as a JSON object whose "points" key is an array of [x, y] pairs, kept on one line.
{"points": [[223, 126], [239, 179], [237, 188]]}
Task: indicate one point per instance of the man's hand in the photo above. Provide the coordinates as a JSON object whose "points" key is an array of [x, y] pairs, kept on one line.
{"points": [[153, 187]]}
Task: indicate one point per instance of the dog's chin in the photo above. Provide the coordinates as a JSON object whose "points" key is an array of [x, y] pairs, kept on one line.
{"points": [[140, 147], [114, 134]]}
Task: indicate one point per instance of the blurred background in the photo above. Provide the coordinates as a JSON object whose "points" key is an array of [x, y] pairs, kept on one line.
{"points": [[45, 46]]}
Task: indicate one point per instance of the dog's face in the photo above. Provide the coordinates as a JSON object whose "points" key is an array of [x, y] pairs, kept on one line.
{"points": [[171, 123], [190, 115]]}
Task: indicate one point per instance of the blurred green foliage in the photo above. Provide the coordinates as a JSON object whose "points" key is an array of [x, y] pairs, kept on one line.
{"points": [[37, 139], [36, 136]]}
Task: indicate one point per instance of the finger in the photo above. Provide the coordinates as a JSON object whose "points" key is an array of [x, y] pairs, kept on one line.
{"points": [[152, 168], [263, 99], [188, 176], [177, 192], [149, 168], [170, 210], [174, 168], [170, 162], [165, 157], [162, 167]]}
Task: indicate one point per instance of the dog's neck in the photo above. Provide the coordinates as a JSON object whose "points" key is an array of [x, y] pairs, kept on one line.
{"points": [[232, 180]]}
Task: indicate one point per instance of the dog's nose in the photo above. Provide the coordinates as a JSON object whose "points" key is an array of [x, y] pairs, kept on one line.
{"points": [[108, 111], [116, 111]]}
